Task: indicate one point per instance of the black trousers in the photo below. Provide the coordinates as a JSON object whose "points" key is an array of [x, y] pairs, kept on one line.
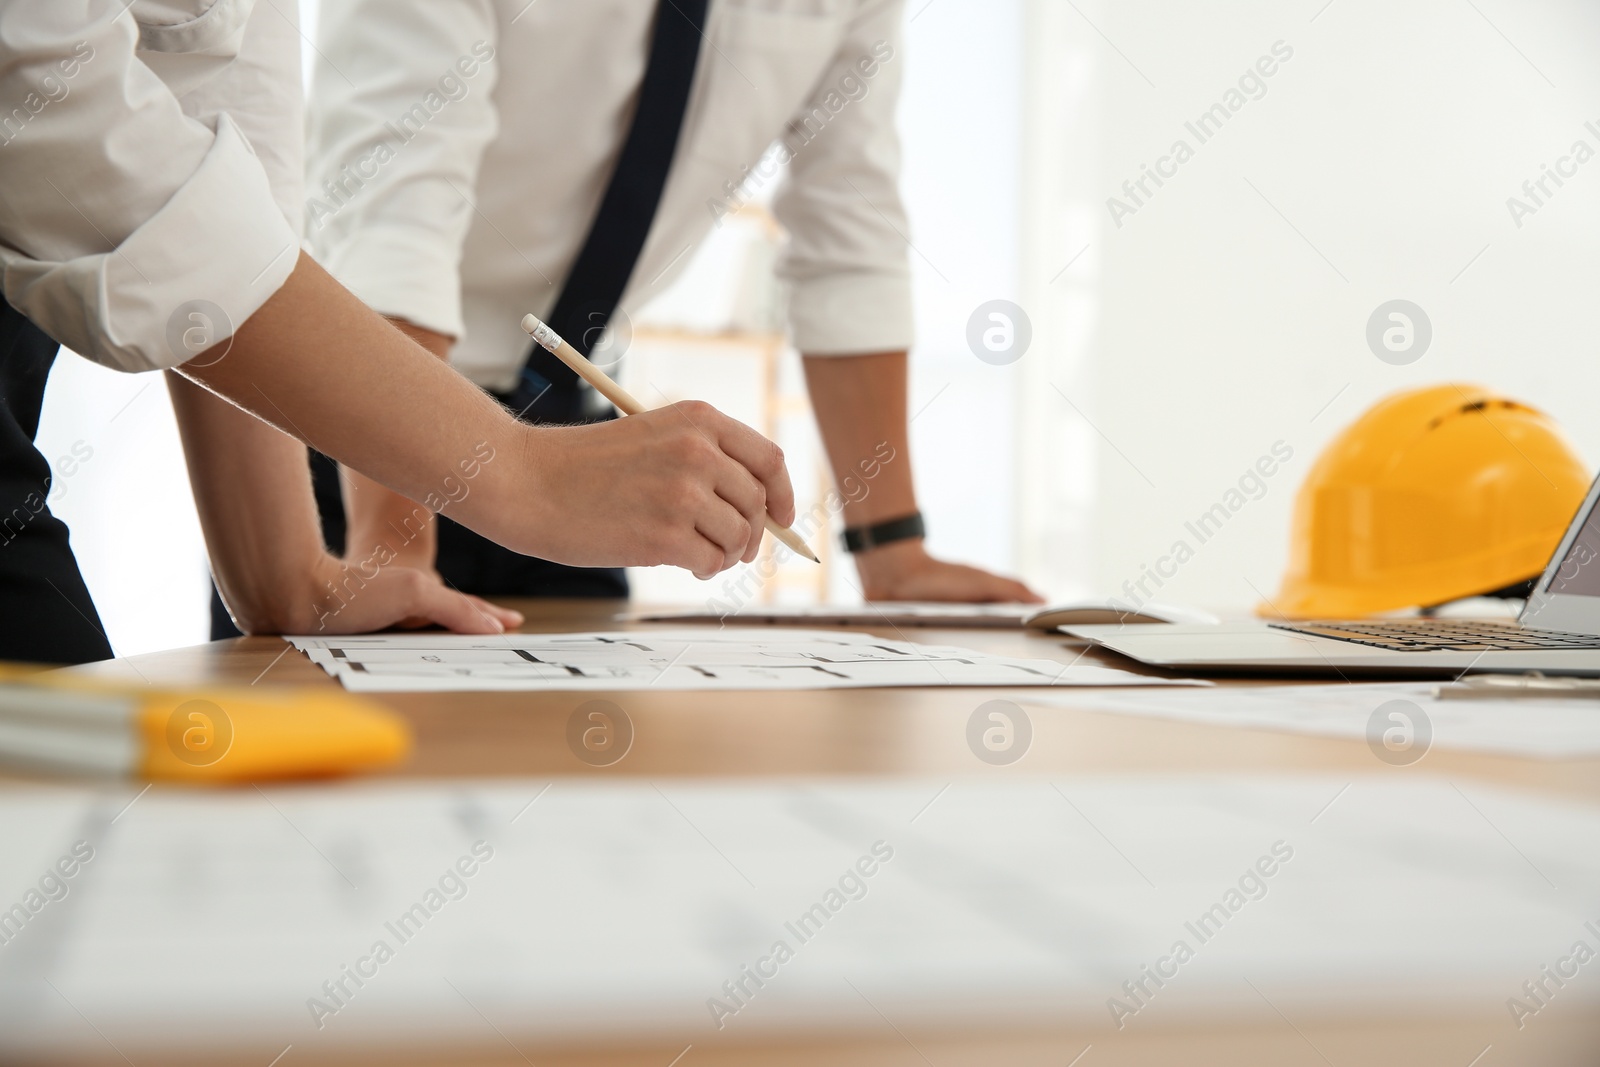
{"points": [[468, 562], [46, 614]]}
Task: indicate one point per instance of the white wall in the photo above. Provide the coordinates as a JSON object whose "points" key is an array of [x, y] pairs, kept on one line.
{"points": [[134, 528], [1173, 350], [1229, 312], [961, 120]]}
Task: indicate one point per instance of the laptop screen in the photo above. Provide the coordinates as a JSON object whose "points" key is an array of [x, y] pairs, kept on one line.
{"points": [[1579, 572]]}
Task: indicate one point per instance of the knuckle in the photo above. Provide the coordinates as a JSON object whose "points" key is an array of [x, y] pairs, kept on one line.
{"points": [[771, 460]]}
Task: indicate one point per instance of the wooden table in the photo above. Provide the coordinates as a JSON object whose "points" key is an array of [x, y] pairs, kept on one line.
{"points": [[918, 732]]}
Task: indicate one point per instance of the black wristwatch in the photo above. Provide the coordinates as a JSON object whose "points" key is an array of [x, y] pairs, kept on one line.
{"points": [[862, 538]]}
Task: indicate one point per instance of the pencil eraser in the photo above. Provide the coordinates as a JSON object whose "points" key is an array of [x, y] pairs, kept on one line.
{"points": [[543, 334]]}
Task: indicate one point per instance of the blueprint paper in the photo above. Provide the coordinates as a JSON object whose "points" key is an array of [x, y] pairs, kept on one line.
{"points": [[596, 908], [678, 660]]}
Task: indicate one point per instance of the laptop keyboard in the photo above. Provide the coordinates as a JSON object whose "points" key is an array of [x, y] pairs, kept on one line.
{"points": [[1444, 635]]}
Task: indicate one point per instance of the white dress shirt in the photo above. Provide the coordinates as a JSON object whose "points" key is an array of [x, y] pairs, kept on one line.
{"points": [[459, 150], [150, 170]]}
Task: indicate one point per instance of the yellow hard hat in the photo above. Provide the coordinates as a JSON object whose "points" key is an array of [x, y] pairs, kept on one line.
{"points": [[1433, 495]]}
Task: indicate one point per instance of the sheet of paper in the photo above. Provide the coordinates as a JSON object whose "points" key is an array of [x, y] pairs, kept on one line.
{"points": [[678, 659], [1552, 729], [598, 908], [883, 613]]}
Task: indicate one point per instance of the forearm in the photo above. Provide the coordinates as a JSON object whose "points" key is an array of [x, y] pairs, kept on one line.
{"points": [[252, 490], [685, 485], [376, 515], [860, 405], [317, 363]]}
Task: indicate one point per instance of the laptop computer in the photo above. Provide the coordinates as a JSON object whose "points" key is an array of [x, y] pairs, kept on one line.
{"points": [[1557, 632]]}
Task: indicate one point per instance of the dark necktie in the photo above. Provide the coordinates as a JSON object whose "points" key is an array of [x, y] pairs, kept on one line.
{"points": [[616, 237]]}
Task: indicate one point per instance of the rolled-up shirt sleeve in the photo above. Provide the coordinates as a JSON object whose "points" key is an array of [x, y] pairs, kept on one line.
{"points": [[403, 111], [130, 231], [846, 260]]}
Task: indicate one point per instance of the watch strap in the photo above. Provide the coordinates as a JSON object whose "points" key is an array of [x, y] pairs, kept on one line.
{"points": [[863, 538]]}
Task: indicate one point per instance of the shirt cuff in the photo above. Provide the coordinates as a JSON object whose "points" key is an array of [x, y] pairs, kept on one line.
{"points": [[850, 314], [399, 277], [183, 281]]}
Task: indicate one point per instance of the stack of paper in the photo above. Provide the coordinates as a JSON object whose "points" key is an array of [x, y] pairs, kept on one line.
{"points": [[687, 659], [1553, 729]]}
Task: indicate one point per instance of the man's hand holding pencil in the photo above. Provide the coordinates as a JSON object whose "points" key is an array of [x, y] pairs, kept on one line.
{"points": [[748, 450], [683, 485]]}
